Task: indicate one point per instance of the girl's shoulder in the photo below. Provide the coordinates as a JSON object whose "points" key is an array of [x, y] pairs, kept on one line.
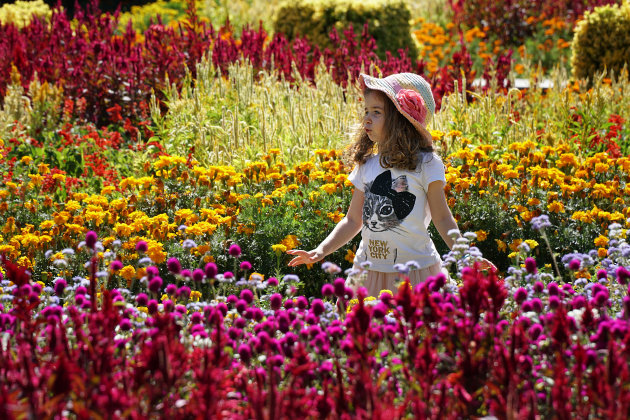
{"points": [[428, 158]]}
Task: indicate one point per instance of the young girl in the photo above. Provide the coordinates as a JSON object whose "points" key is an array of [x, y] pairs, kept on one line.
{"points": [[399, 186]]}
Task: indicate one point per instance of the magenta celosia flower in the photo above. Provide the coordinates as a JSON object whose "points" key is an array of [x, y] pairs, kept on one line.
{"points": [[234, 250], [173, 265], [142, 246], [90, 239]]}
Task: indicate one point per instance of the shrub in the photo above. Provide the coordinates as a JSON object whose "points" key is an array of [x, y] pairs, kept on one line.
{"points": [[602, 42], [20, 13], [388, 22]]}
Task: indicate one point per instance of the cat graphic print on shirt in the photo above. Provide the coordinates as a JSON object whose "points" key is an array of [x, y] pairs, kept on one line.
{"points": [[387, 202], [396, 213]]}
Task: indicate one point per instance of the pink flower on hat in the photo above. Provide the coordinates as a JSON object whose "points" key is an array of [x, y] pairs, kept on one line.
{"points": [[412, 103]]}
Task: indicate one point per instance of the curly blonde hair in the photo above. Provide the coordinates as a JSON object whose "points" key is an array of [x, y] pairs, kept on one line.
{"points": [[401, 146]]}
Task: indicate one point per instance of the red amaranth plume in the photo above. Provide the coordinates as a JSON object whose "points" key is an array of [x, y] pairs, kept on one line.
{"points": [[19, 275]]}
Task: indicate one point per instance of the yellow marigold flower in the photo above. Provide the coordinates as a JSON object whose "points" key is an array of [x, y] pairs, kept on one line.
{"points": [[512, 254], [349, 256], [127, 272], [26, 160], [437, 135], [143, 309], [555, 207], [533, 202], [601, 241], [195, 295], [532, 243], [108, 190], [329, 188], [482, 235], [25, 262], [43, 168], [567, 159], [336, 217], [290, 241], [46, 224], [274, 151], [501, 246], [602, 252], [59, 177], [36, 179], [279, 248]]}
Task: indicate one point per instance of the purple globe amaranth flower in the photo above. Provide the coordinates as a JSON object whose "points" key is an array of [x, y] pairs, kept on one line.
{"points": [[245, 353], [601, 298], [553, 288], [328, 290], [197, 275], [602, 274], [60, 286], [228, 275], [379, 310], [155, 284], [623, 275], [537, 305], [574, 264], [246, 266], [272, 281], [152, 271], [241, 306], [288, 304], [275, 301], [340, 286], [578, 302], [183, 292], [302, 302], [142, 299], [186, 273], [152, 306], [247, 295], [530, 265], [534, 331], [520, 295], [116, 265], [348, 293], [317, 306], [90, 239], [554, 302], [142, 246], [231, 299], [173, 265], [170, 289], [539, 287], [234, 250], [125, 324], [211, 270]]}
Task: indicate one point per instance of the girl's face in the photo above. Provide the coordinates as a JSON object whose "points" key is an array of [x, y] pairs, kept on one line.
{"points": [[374, 117]]}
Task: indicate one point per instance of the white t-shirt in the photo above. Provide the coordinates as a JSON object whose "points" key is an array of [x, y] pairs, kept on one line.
{"points": [[396, 213]]}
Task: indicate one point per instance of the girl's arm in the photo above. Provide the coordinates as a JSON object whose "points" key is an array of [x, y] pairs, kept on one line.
{"points": [[440, 212], [343, 232]]}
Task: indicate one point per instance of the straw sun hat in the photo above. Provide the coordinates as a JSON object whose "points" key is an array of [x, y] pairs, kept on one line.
{"points": [[409, 92]]}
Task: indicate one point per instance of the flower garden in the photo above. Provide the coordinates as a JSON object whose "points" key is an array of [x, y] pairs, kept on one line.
{"points": [[156, 171]]}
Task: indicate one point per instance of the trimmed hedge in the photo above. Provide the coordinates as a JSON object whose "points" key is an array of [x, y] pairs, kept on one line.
{"points": [[388, 22]]}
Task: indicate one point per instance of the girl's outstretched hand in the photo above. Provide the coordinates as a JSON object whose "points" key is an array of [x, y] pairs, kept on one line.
{"points": [[305, 257]]}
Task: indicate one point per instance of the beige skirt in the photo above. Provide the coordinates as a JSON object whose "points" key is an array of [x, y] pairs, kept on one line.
{"points": [[375, 281]]}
